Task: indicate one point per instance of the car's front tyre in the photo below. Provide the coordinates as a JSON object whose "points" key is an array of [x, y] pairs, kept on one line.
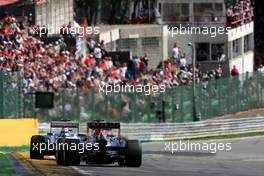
{"points": [[72, 157], [59, 153]]}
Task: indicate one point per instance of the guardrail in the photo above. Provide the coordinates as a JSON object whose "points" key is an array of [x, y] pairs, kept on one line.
{"points": [[174, 131]]}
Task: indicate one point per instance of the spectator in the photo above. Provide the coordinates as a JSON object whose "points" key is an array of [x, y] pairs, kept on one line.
{"points": [[261, 68], [218, 72], [183, 62], [123, 70], [234, 71], [175, 54], [145, 59], [142, 65], [109, 62], [97, 54]]}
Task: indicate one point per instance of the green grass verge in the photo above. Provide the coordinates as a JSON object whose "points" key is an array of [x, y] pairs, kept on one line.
{"points": [[23, 148], [6, 166]]}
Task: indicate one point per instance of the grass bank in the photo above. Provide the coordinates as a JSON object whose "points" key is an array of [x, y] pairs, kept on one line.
{"points": [[23, 148], [6, 165]]}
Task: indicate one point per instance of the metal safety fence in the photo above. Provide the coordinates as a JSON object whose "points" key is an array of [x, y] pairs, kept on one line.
{"points": [[183, 130], [213, 98]]}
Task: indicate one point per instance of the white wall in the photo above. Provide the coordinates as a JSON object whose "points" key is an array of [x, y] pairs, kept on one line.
{"points": [[247, 66], [244, 62], [109, 36], [241, 31]]}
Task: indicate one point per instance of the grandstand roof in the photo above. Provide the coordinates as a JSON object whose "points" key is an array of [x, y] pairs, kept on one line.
{"points": [[5, 2]]}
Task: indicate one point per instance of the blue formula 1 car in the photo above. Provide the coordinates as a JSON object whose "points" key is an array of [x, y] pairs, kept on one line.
{"points": [[112, 146]]}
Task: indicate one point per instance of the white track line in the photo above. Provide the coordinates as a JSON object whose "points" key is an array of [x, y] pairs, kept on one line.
{"points": [[80, 171]]}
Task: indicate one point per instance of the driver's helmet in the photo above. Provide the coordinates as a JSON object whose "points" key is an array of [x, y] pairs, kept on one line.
{"points": [[65, 132], [98, 131], [100, 134]]}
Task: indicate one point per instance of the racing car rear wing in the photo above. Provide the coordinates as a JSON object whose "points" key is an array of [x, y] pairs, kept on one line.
{"points": [[94, 125], [106, 125], [64, 124]]}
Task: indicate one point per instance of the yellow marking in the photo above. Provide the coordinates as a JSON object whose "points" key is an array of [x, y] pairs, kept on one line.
{"points": [[47, 166], [17, 132]]}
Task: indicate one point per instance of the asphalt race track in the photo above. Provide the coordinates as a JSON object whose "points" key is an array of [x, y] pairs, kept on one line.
{"points": [[246, 158]]}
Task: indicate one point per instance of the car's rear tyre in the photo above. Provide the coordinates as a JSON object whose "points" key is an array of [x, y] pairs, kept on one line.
{"points": [[71, 157], [35, 142], [133, 154]]}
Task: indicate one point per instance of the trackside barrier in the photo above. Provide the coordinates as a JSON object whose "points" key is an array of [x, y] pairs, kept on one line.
{"points": [[17, 132], [227, 95], [174, 131]]}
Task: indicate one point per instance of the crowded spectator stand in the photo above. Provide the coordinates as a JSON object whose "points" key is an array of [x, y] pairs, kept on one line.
{"points": [[239, 13], [53, 67]]}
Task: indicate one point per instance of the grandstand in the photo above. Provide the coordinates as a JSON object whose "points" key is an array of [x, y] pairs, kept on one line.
{"points": [[232, 48]]}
